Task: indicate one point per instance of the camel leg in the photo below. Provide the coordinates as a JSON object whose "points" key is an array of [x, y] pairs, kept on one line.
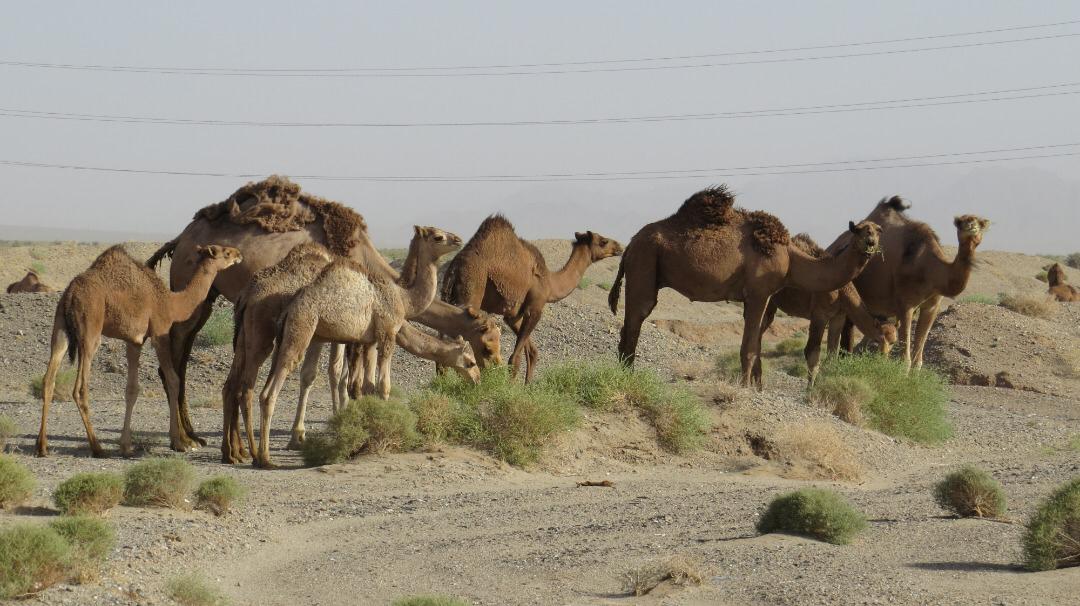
{"points": [[308, 371], [297, 335], [81, 392], [355, 363], [181, 339], [334, 371], [231, 445], [766, 322], [813, 350], [836, 330], [131, 394], [59, 347], [372, 364], [846, 336], [640, 302], [753, 316], [532, 356], [928, 312], [385, 348], [905, 334], [178, 438], [529, 320]]}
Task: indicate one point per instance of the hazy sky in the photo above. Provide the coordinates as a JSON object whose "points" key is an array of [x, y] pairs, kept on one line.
{"points": [[1033, 202]]}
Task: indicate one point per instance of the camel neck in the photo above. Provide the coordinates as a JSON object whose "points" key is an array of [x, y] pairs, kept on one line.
{"points": [[564, 281], [421, 291], [853, 307], [827, 274], [184, 303], [956, 273], [423, 345]]}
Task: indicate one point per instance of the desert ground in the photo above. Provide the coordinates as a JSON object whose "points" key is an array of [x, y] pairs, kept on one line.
{"points": [[455, 521]]}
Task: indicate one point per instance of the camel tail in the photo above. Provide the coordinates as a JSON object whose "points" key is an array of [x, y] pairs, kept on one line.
{"points": [[166, 250], [70, 324], [616, 288]]}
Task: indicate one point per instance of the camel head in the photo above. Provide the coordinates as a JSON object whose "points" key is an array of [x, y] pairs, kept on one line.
{"points": [[867, 237], [463, 361], [439, 241], [219, 257], [485, 337], [1055, 275], [970, 228], [599, 246], [888, 337]]}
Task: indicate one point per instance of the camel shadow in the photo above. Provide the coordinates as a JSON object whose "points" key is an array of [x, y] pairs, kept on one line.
{"points": [[965, 567]]}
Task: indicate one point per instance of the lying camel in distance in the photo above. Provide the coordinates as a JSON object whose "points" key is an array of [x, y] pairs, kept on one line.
{"points": [[267, 219], [31, 282], [346, 305], [914, 272], [710, 250], [1059, 288], [120, 298], [500, 273], [826, 310]]}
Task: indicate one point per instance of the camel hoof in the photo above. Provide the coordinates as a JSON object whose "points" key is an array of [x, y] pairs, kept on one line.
{"points": [[183, 446], [198, 440], [41, 452], [295, 444], [256, 463], [99, 454]]}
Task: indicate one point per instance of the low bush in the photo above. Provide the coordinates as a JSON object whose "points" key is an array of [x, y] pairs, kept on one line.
{"points": [[790, 346], [1043, 276], [821, 445], [1073, 260], [429, 600], [814, 512], [910, 405], [89, 493], [729, 367], [982, 299], [584, 283], [218, 494], [65, 382], [218, 329], [159, 482], [344, 436], [90, 540], [434, 416], [971, 492], [604, 285], [16, 482], [680, 570], [32, 558], [193, 590], [8, 430], [38, 267], [390, 425], [1036, 306], [845, 397], [1053, 533]]}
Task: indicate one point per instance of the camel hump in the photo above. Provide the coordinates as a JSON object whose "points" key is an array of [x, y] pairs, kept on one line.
{"points": [[712, 205], [895, 202], [494, 223], [768, 232], [806, 244]]}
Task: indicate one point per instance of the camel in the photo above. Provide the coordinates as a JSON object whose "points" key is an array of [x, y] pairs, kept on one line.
{"points": [[826, 310], [256, 323], [31, 282], [1059, 288], [500, 273], [913, 273], [346, 305], [710, 250], [267, 219], [120, 298]]}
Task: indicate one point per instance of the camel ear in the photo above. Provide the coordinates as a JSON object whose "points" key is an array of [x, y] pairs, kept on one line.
{"points": [[419, 231], [984, 224], [851, 226], [956, 222]]}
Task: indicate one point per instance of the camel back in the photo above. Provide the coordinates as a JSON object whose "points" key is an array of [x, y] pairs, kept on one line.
{"points": [[806, 244], [276, 204], [710, 206]]}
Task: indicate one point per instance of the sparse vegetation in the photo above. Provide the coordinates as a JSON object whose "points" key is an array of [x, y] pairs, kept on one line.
{"points": [[1053, 533], [1073, 260], [65, 381], [1043, 276], [193, 590], [815, 512], [1035, 306], [971, 492], [729, 367], [680, 570], [434, 416], [16, 482], [89, 539], [584, 283], [344, 436], [159, 482], [820, 444], [206, 402], [33, 557], [910, 405], [394, 254], [89, 493], [390, 425], [845, 397], [8, 429], [218, 494], [790, 346], [218, 329], [429, 600], [984, 299], [604, 285]]}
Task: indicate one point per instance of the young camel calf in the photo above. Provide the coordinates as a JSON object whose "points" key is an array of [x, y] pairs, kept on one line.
{"points": [[120, 298]]}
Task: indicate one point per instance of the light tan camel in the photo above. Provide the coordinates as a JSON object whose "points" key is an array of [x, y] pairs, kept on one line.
{"points": [[500, 273], [455, 354], [1059, 288], [120, 298], [31, 282], [826, 310], [914, 272], [267, 219], [709, 250], [345, 305]]}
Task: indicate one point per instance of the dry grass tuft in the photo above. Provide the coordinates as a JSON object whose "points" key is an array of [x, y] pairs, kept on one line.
{"points": [[33, 557], [971, 492], [680, 570], [65, 382], [159, 482], [843, 396], [1053, 533], [1035, 306], [193, 590], [8, 429], [89, 493], [820, 444], [218, 494], [16, 482]]}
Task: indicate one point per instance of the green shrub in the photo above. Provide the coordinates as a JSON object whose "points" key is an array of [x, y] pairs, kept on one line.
{"points": [[8, 430], [584, 283], [1035, 306], [604, 285], [434, 416], [1043, 276], [38, 267], [814, 512], [845, 397], [89, 493], [218, 329], [790, 346], [429, 600], [910, 405], [65, 382], [344, 436], [159, 482], [16, 482], [983, 299], [1053, 533], [90, 540], [218, 494], [193, 590], [1073, 260], [390, 425], [971, 492], [32, 558]]}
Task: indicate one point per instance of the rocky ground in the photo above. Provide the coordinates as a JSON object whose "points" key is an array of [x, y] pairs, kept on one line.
{"points": [[458, 522]]}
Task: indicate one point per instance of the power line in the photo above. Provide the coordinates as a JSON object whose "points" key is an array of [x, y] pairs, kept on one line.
{"points": [[523, 69], [904, 103], [743, 171]]}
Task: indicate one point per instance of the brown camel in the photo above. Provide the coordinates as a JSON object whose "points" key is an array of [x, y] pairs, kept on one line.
{"points": [[825, 310], [1059, 288], [710, 250], [120, 298], [267, 219], [913, 273], [31, 282], [346, 305], [500, 273]]}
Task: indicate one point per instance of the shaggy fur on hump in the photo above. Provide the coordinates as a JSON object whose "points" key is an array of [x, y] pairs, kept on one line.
{"points": [[896, 203], [768, 231], [276, 204], [710, 206], [806, 244]]}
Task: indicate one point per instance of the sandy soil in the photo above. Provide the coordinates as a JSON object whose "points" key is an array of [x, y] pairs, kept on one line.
{"points": [[458, 522]]}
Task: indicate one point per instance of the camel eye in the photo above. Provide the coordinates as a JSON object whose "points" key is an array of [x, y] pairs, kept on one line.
{"points": [[470, 364], [439, 238]]}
